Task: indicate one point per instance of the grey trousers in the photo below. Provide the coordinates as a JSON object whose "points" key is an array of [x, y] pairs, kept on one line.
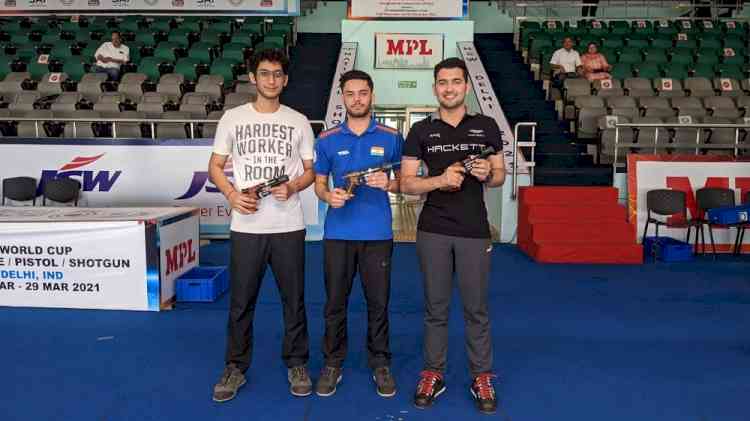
{"points": [[439, 257]]}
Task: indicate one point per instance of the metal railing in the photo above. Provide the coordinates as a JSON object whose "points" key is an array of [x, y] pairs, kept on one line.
{"points": [[697, 147], [530, 162], [152, 122]]}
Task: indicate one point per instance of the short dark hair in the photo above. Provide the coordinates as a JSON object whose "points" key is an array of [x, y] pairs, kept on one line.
{"points": [[116, 32], [452, 63], [273, 55], [355, 75]]}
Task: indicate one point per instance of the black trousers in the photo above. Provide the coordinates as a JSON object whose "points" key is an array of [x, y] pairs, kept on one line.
{"points": [[250, 254], [342, 261]]}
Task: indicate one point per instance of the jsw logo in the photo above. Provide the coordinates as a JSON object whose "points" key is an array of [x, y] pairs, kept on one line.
{"points": [[90, 180], [200, 182], [180, 255], [408, 47]]}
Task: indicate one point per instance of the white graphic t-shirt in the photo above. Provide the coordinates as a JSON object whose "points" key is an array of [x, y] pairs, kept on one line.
{"points": [[265, 146]]}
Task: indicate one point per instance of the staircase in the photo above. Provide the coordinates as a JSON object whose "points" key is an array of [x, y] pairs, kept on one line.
{"points": [[560, 162], [575, 225], [313, 63]]}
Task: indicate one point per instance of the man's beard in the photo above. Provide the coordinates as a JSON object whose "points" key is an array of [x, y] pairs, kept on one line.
{"points": [[364, 113]]}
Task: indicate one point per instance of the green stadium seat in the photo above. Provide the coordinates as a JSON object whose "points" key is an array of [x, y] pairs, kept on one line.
{"points": [[665, 27], [643, 27], [637, 43], [145, 37], [621, 71], [223, 68], [598, 29], [26, 52], [50, 38], [149, 66], [675, 71], [87, 54], [630, 56], [731, 71], [662, 41], [74, 69], [655, 55], [161, 25], [648, 70], [733, 27], [610, 55], [132, 24], [709, 27], [704, 70], [681, 56], [4, 67], [690, 43], [619, 27], [202, 51], [268, 46], [538, 43], [235, 52], [613, 42], [220, 26], [275, 39], [736, 59], [710, 41], [166, 51], [244, 39], [551, 26], [187, 67], [180, 36], [708, 56], [686, 26], [735, 42], [61, 51], [19, 38], [190, 24], [575, 31], [37, 70]]}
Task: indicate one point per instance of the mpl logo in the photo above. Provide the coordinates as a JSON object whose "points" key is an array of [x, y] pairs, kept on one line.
{"points": [[37, 3], [206, 3], [120, 3], [408, 47], [180, 255], [91, 180]]}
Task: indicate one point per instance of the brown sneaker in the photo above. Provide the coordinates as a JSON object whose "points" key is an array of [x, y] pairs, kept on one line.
{"points": [[386, 386], [299, 381], [330, 377], [229, 383]]}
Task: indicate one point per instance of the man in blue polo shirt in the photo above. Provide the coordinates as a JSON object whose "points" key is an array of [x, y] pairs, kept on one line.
{"points": [[358, 234]]}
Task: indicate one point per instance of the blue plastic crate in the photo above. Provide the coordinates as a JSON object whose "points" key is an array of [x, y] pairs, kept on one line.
{"points": [[202, 283], [729, 215], [667, 249]]}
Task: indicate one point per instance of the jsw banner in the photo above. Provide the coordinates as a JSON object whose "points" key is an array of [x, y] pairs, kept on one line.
{"points": [[686, 173], [137, 173], [246, 7]]}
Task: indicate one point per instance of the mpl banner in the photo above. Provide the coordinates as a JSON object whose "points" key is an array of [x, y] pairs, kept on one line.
{"points": [[407, 9], [179, 244], [408, 51], [686, 173], [94, 265], [246, 7], [126, 173]]}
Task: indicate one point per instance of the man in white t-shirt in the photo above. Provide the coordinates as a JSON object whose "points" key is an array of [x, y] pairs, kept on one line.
{"points": [[110, 56], [566, 63], [265, 140]]}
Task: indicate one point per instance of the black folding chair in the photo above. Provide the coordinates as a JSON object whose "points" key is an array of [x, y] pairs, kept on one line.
{"points": [[19, 189], [665, 202], [709, 198], [61, 190], [741, 229]]}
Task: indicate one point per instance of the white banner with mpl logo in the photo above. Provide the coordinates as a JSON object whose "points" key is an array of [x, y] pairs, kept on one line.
{"points": [[138, 173], [408, 9], [179, 245], [245, 7], [96, 265], [408, 51]]}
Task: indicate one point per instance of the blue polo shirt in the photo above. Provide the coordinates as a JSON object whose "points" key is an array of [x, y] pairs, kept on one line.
{"points": [[367, 215]]}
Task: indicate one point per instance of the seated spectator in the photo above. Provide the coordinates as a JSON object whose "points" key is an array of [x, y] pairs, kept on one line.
{"points": [[110, 56], [566, 63], [595, 66]]}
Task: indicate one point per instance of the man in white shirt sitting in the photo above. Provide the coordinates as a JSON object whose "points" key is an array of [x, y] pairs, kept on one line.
{"points": [[566, 62], [110, 56]]}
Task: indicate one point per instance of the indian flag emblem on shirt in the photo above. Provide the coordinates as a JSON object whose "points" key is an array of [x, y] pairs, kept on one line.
{"points": [[377, 151]]}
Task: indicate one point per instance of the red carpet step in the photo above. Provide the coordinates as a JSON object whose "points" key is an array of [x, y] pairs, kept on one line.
{"points": [[575, 225]]}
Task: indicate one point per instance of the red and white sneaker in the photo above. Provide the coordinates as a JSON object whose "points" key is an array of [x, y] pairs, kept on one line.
{"points": [[484, 393], [430, 386]]}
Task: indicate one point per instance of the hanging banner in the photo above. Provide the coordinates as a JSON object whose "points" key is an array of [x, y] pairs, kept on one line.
{"points": [[408, 51], [244, 7], [136, 173], [686, 173], [407, 9], [336, 113]]}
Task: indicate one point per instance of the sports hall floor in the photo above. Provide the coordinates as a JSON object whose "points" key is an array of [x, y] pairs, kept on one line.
{"points": [[658, 342]]}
